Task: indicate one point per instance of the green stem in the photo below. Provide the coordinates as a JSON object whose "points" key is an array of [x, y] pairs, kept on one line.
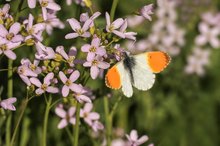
{"points": [[76, 130], [108, 121], [112, 13], [23, 107], [46, 115], [10, 94], [115, 106]]}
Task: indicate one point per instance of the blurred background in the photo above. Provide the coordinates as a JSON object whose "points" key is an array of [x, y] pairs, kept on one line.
{"points": [[182, 108]]}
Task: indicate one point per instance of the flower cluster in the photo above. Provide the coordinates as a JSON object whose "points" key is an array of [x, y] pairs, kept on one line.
{"points": [[89, 117], [208, 38], [165, 35]]}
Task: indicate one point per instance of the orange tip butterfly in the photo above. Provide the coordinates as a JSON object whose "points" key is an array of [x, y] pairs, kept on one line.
{"points": [[137, 70]]}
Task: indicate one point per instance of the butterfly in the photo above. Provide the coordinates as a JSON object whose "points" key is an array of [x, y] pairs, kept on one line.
{"points": [[136, 70]]}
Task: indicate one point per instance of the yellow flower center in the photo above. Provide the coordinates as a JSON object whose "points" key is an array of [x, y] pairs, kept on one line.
{"points": [[85, 115], [71, 59], [32, 67], [68, 82], [44, 4], [3, 47], [80, 31], [94, 62], [111, 28], [31, 31], [92, 49], [10, 36], [44, 87]]}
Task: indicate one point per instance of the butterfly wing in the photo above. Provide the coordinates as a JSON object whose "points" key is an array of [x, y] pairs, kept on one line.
{"points": [[118, 77], [144, 78], [146, 65]]}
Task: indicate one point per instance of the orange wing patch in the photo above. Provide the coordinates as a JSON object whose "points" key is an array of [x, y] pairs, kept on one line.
{"points": [[112, 78], [158, 61]]}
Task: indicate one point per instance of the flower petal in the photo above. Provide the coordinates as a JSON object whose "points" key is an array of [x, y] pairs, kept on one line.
{"points": [[36, 82], [74, 24], [71, 35], [94, 72], [10, 54], [15, 28], [48, 78], [53, 6], [63, 77], [142, 140], [74, 76], [65, 90], [63, 123], [60, 112], [51, 89], [3, 31]]}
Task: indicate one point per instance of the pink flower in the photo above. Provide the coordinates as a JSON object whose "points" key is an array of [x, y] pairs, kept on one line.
{"points": [[81, 31], [7, 104], [48, 4], [32, 3], [96, 64], [118, 52], [6, 48], [11, 35], [96, 126], [24, 72], [87, 115], [68, 83], [4, 12], [67, 116], [52, 22], [80, 95], [43, 52], [112, 27], [134, 140], [197, 61], [34, 31], [42, 88], [129, 35], [146, 11], [70, 58], [32, 66], [93, 49], [208, 35]]}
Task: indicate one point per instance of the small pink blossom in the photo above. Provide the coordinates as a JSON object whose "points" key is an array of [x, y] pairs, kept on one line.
{"points": [[34, 30], [96, 126], [197, 61], [42, 88], [94, 49], [70, 58], [88, 116], [25, 72], [11, 35], [32, 66], [112, 27], [6, 48], [208, 35], [146, 11], [81, 31], [48, 5], [67, 116], [128, 35], [96, 64], [68, 82], [7, 104], [52, 22], [134, 140], [4, 12], [43, 52], [81, 95]]}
